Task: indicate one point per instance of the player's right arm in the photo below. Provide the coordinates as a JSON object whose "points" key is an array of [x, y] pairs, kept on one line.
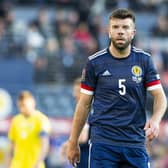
{"points": [[80, 117], [45, 129]]}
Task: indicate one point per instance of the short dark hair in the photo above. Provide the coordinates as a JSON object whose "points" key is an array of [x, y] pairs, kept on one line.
{"points": [[122, 13], [24, 95]]}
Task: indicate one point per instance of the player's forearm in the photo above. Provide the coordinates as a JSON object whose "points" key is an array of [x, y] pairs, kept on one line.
{"points": [[44, 149], [80, 117], [159, 106], [10, 154]]}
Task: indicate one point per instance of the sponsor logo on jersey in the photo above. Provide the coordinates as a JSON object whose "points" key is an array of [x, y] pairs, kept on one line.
{"points": [[137, 73], [106, 73]]}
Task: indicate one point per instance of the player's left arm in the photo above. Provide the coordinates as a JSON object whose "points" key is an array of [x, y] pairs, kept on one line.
{"points": [[44, 135], [159, 108], [44, 150]]}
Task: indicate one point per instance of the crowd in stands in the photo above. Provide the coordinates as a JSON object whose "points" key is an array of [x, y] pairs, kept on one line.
{"points": [[58, 41], [59, 36]]}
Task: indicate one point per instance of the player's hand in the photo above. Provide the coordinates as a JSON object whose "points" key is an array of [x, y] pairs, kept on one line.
{"points": [[73, 153], [152, 129], [64, 148]]}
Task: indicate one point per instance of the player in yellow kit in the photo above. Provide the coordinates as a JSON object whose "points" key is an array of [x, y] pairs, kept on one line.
{"points": [[28, 135]]}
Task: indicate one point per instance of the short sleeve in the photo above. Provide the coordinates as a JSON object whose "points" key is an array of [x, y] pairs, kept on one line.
{"points": [[152, 77], [45, 127], [88, 79]]}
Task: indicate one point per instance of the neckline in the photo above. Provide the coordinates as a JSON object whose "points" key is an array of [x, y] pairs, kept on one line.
{"points": [[117, 58]]}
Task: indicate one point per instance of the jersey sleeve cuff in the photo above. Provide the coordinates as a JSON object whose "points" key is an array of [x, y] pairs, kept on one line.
{"points": [[87, 89], [43, 133], [153, 85]]}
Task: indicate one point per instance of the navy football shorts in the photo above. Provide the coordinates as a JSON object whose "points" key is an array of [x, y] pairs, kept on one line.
{"points": [[109, 156]]}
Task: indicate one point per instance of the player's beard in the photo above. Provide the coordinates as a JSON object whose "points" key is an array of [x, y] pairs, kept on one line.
{"points": [[120, 46]]}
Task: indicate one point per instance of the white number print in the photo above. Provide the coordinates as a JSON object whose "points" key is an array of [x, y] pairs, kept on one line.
{"points": [[122, 87]]}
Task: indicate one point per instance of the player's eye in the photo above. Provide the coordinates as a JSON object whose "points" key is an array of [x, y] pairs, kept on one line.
{"points": [[125, 27], [115, 27]]}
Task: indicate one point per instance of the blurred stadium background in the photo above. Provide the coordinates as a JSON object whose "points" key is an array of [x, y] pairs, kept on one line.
{"points": [[43, 47]]}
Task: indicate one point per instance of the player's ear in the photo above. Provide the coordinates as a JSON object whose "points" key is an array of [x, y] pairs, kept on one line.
{"points": [[133, 34], [108, 31], [109, 35], [33, 102]]}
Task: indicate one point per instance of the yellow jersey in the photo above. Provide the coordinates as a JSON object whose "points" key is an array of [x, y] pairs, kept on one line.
{"points": [[25, 134]]}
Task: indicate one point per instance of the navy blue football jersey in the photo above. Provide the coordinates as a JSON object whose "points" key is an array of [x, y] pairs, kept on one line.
{"points": [[119, 87]]}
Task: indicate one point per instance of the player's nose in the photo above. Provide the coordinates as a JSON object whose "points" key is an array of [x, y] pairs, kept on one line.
{"points": [[120, 31]]}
